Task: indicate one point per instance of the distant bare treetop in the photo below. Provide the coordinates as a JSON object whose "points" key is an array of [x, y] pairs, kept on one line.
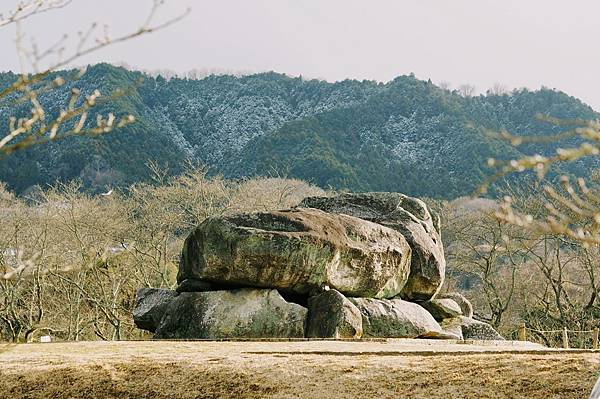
{"points": [[466, 90], [498, 89], [444, 85]]}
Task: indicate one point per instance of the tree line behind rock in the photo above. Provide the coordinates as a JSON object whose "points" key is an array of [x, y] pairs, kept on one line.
{"points": [[70, 262]]}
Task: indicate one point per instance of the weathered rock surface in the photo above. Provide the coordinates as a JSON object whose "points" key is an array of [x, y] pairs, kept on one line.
{"points": [[242, 313], [464, 303], [150, 306], [332, 315], [442, 309], [366, 265], [596, 390], [478, 330], [407, 215], [395, 318], [299, 251], [452, 327]]}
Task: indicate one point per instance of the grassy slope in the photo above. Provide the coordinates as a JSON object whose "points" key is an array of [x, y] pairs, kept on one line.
{"points": [[239, 370]]}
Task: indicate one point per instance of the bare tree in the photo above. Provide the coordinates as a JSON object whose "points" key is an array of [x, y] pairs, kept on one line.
{"points": [[466, 90], [70, 263], [37, 78], [444, 85], [478, 246], [571, 209], [514, 274], [497, 89]]}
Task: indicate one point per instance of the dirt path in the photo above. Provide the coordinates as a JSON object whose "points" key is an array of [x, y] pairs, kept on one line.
{"points": [[316, 369]]}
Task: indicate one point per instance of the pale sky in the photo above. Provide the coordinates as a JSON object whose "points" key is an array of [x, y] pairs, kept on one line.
{"points": [[517, 43]]}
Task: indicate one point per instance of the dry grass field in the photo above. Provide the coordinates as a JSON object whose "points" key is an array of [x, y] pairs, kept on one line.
{"points": [[315, 369]]}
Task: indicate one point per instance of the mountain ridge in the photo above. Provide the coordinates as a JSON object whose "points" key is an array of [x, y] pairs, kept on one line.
{"points": [[405, 135]]}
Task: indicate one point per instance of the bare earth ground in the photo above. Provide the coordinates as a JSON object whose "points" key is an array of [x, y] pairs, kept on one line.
{"points": [[314, 369]]}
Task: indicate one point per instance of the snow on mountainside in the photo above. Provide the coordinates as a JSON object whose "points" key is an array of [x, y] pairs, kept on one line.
{"points": [[406, 135]]}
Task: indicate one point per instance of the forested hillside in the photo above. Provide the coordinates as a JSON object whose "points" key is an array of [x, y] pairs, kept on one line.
{"points": [[406, 135]]}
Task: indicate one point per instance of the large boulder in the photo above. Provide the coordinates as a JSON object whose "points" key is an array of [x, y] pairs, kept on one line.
{"points": [[396, 318], [299, 251], [452, 327], [242, 313], [150, 306], [465, 306], [332, 315], [407, 215], [478, 330], [442, 309]]}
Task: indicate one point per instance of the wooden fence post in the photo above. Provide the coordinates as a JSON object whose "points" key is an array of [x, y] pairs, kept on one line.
{"points": [[595, 338], [565, 338], [522, 332]]}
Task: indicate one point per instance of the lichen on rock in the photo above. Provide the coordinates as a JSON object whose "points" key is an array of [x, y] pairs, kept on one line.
{"points": [[409, 216], [241, 313], [332, 315], [298, 250]]}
